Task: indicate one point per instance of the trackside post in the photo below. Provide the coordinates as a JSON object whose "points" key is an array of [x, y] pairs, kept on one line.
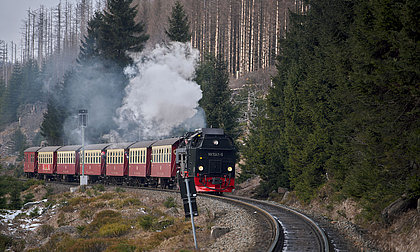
{"points": [[188, 191], [83, 124]]}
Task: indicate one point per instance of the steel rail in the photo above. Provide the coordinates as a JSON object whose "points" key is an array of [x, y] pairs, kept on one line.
{"points": [[275, 226], [322, 237], [319, 231]]}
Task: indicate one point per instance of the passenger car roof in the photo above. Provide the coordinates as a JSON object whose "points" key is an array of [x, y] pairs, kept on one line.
{"points": [[96, 146], [70, 148], [32, 149], [168, 141], [49, 149], [142, 144], [119, 146]]}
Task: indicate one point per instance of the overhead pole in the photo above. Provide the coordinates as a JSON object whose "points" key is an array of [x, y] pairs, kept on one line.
{"points": [[83, 123]]}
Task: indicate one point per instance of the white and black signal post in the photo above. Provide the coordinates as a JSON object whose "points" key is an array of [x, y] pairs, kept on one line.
{"points": [[188, 191], [83, 123]]}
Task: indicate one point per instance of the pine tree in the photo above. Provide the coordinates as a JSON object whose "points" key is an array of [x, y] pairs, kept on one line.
{"points": [[89, 50], [31, 89], [299, 138], [25, 87], [315, 95], [265, 153], [179, 28], [119, 34], [3, 202], [217, 103], [385, 80], [10, 99], [15, 201], [52, 125]]}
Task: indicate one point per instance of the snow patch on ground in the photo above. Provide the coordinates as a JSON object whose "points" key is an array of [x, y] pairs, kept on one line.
{"points": [[25, 221]]}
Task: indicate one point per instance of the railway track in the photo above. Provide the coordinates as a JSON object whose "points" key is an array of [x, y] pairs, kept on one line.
{"points": [[283, 229], [298, 232], [269, 235]]}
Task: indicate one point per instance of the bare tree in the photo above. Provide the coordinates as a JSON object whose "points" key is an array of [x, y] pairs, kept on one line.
{"points": [[40, 34], [245, 32]]}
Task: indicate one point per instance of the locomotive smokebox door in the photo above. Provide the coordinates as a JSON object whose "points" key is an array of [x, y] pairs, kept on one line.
{"points": [[184, 196]]}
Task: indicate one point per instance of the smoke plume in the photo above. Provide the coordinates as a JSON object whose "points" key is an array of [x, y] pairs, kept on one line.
{"points": [[161, 97]]}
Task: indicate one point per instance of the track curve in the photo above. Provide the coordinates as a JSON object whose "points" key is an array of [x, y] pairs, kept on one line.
{"points": [[272, 236], [299, 233]]}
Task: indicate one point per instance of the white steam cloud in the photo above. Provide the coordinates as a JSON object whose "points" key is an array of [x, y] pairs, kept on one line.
{"points": [[161, 97]]}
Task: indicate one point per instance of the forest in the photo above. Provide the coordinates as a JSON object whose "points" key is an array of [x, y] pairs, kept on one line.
{"points": [[341, 115]]}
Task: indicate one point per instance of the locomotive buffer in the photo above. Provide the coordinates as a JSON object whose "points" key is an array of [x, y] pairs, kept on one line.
{"points": [[187, 188]]}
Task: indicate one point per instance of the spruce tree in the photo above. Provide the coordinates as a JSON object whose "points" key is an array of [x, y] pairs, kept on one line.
{"points": [[179, 28], [119, 33], [15, 201], [52, 125], [89, 50], [25, 87], [3, 202], [385, 80], [217, 103], [11, 95], [315, 94], [305, 106], [31, 90]]}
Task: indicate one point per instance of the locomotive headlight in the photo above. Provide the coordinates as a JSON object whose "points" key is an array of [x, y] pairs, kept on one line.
{"points": [[200, 168], [230, 169], [215, 142]]}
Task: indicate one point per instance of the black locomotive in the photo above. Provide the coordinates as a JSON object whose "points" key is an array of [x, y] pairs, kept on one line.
{"points": [[209, 156]]}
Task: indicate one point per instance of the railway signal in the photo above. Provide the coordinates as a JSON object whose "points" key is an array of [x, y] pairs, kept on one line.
{"points": [[188, 195], [83, 123], [187, 189]]}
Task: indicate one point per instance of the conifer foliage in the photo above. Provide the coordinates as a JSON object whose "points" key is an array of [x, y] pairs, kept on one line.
{"points": [[119, 33], [344, 109], [52, 125], [24, 87], [220, 111], [89, 50], [179, 28]]}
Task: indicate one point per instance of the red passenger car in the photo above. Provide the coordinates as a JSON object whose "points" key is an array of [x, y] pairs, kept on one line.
{"points": [[68, 162], [30, 166], [117, 161], [94, 161], [139, 162], [47, 161], [163, 167]]}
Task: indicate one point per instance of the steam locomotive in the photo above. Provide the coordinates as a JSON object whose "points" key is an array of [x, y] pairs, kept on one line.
{"points": [[208, 155]]}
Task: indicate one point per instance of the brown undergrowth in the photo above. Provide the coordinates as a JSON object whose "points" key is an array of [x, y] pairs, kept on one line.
{"points": [[95, 220]]}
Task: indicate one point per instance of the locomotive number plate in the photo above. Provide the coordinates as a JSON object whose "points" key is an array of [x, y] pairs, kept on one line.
{"points": [[215, 154]]}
